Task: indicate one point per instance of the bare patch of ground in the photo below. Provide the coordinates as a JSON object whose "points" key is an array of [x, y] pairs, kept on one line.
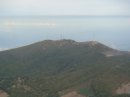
{"points": [[112, 53], [73, 94], [3, 94], [124, 89]]}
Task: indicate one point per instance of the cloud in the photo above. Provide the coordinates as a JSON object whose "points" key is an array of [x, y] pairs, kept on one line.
{"points": [[2, 49], [12, 24]]}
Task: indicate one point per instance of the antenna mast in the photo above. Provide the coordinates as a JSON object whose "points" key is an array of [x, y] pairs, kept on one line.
{"points": [[61, 35], [93, 36]]}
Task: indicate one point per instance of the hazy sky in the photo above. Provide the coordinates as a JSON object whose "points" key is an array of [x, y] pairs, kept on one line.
{"points": [[65, 7]]}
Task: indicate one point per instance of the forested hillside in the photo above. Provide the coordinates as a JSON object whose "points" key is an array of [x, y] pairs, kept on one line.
{"points": [[54, 68]]}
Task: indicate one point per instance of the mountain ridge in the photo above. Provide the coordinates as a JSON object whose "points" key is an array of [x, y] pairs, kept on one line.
{"points": [[68, 42]]}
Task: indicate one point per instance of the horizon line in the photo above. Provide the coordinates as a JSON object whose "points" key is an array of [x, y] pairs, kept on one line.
{"points": [[64, 15]]}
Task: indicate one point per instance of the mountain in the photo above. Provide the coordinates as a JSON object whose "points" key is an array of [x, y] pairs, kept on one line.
{"points": [[54, 68]]}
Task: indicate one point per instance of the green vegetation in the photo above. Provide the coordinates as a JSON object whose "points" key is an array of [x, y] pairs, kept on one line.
{"points": [[49, 68]]}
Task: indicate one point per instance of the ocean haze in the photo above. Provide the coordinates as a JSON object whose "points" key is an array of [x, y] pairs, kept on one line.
{"points": [[17, 31]]}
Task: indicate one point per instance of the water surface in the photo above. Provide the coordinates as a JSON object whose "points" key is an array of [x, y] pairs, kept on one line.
{"points": [[19, 31]]}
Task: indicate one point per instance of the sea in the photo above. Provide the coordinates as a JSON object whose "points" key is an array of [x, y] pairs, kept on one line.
{"points": [[17, 31]]}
